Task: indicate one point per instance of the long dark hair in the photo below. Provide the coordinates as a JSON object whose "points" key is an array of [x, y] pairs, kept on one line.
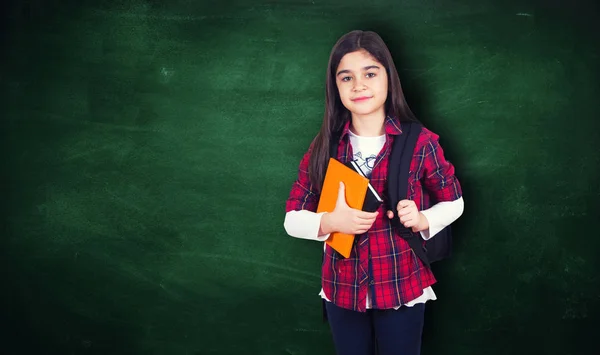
{"points": [[336, 115]]}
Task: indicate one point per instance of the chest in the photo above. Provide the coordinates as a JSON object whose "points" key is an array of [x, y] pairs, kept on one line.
{"points": [[372, 156]]}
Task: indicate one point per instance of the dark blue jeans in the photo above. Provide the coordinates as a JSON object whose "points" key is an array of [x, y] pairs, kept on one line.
{"points": [[380, 332]]}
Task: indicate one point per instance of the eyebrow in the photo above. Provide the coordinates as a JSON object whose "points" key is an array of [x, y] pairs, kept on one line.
{"points": [[364, 68]]}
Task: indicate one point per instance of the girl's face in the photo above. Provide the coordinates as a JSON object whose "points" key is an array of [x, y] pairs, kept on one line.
{"points": [[362, 83]]}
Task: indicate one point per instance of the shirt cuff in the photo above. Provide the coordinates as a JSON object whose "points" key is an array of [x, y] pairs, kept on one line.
{"points": [[441, 215], [304, 224]]}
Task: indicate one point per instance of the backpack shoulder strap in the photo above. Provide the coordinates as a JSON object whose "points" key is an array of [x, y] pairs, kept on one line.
{"points": [[398, 169], [399, 163], [406, 159]]}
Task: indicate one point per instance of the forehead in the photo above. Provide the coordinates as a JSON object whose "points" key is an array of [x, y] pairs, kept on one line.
{"points": [[355, 61]]}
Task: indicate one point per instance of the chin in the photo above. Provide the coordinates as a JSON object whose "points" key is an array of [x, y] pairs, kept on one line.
{"points": [[363, 111]]}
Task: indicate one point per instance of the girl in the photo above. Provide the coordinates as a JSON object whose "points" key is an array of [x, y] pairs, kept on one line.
{"points": [[375, 299]]}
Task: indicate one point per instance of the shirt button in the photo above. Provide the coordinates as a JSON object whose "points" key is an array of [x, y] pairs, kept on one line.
{"points": [[371, 282]]}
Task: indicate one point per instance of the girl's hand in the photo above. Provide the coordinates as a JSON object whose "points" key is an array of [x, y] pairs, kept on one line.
{"points": [[345, 219], [410, 216]]}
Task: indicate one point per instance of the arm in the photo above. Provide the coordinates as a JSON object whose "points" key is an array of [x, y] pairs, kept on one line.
{"points": [[301, 220], [305, 225], [439, 180], [441, 215]]}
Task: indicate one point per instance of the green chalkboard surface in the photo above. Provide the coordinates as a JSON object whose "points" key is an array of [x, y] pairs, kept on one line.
{"points": [[148, 150]]}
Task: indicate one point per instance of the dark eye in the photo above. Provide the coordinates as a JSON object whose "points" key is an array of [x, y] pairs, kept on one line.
{"points": [[346, 78], [371, 75]]}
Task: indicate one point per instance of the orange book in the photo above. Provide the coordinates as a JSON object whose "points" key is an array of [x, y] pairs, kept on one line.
{"points": [[356, 187]]}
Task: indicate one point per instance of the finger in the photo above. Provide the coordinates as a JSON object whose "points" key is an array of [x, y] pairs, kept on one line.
{"points": [[363, 216], [366, 228], [364, 223], [366, 215], [341, 194], [404, 203], [409, 224], [407, 219], [406, 210]]}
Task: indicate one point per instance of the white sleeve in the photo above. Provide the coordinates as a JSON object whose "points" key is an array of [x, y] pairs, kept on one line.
{"points": [[304, 224], [440, 215]]}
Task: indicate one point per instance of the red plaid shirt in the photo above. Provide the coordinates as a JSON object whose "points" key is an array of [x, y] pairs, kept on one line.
{"points": [[380, 258]]}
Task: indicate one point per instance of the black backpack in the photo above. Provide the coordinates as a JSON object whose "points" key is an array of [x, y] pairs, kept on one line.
{"points": [[438, 247]]}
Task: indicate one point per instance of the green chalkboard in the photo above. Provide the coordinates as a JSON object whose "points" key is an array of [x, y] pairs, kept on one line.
{"points": [[149, 148]]}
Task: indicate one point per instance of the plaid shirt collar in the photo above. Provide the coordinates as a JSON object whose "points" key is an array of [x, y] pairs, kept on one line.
{"points": [[391, 125]]}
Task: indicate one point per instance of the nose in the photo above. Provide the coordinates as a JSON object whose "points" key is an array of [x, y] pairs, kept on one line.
{"points": [[358, 85]]}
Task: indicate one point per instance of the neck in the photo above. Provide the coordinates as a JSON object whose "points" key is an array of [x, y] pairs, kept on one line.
{"points": [[368, 125]]}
